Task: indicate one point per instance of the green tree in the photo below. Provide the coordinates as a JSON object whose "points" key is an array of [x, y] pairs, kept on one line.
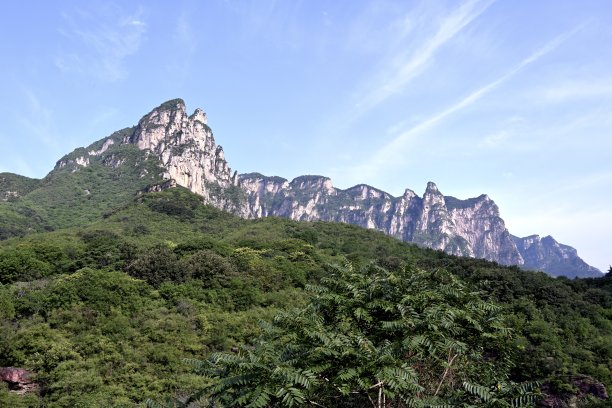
{"points": [[157, 265], [374, 338]]}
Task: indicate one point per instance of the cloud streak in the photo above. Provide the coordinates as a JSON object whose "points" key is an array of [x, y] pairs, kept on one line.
{"points": [[100, 42], [570, 91], [409, 65], [390, 153], [38, 121]]}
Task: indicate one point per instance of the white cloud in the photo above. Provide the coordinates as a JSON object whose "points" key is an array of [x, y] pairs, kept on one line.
{"points": [[404, 67], [38, 120], [100, 41], [393, 151], [572, 90], [494, 140]]}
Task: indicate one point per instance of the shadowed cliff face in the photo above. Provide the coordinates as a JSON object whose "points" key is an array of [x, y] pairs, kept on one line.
{"points": [[186, 149], [462, 227], [556, 259], [185, 146]]}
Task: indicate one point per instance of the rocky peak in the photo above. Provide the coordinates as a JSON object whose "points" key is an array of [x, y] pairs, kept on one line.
{"points": [[313, 183], [548, 255], [186, 147], [433, 196], [409, 194], [200, 116], [432, 188], [260, 184]]}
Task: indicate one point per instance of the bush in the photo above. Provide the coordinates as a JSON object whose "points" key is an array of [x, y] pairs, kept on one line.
{"points": [[208, 267], [157, 265]]}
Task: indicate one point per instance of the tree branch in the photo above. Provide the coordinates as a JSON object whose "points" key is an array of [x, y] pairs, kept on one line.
{"points": [[446, 370]]}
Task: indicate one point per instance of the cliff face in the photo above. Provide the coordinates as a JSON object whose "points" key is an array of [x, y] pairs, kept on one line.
{"points": [[188, 156], [556, 259], [461, 227], [186, 148], [182, 145]]}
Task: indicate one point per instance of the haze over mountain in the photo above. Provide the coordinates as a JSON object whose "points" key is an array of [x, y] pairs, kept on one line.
{"points": [[184, 152]]}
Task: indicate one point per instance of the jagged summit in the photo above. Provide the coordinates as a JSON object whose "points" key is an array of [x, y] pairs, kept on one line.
{"points": [[549, 255], [432, 188], [172, 104], [186, 147], [188, 156]]}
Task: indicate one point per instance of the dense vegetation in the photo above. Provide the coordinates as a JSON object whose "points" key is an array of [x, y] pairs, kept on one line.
{"points": [[158, 297]]}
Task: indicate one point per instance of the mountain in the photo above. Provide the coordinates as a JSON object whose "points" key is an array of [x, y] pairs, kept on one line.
{"points": [[554, 258], [459, 227], [169, 147]]}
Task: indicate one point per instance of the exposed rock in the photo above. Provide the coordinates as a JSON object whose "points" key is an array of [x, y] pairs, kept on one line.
{"points": [[186, 148], [469, 228], [189, 157], [156, 188], [105, 146], [19, 380], [547, 255]]}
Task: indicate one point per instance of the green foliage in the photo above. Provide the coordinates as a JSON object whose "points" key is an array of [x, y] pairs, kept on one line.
{"points": [[96, 336], [208, 267], [400, 338], [157, 265], [13, 186]]}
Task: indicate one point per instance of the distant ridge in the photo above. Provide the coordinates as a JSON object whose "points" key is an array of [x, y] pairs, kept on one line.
{"points": [[167, 144]]}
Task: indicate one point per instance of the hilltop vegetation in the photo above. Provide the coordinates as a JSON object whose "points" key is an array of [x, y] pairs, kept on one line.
{"points": [[123, 305]]}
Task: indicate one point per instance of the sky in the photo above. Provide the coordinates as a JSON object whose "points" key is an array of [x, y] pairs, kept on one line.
{"points": [[512, 98]]}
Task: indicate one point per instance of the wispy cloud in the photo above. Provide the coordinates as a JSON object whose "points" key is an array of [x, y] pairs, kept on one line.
{"points": [[38, 120], [572, 90], [100, 41], [494, 140], [392, 151], [185, 46], [408, 65]]}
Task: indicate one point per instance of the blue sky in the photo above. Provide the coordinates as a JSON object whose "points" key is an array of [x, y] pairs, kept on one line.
{"points": [[508, 98]]}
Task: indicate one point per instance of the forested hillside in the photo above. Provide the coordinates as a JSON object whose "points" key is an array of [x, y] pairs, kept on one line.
{"points": [[163, 299]]}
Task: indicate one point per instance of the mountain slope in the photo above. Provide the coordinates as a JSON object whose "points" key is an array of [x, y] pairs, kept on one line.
{"points": [[106, 313], [554, 258], [169, 147], [459, 227]]}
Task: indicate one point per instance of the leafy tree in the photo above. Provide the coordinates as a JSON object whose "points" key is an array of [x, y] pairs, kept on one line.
{"points": [[207, 266], [157, 265], [21, 264], [374, 338]]}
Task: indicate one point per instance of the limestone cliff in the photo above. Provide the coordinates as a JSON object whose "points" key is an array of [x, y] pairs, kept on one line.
{"points": [[186, 148], [183, 146], [547, 255], [461, 227], [188, 156]]}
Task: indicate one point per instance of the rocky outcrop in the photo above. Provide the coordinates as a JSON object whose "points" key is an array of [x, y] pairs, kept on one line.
{"points": [[461, 227], [556, 259], [19, 380], [186, 148], [188, 156]]}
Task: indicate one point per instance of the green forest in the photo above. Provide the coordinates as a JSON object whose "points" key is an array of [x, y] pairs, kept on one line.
{"points": [[158, 300]]}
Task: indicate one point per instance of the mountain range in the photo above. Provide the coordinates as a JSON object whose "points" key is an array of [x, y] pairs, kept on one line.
{"points": [[169, 147]]}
